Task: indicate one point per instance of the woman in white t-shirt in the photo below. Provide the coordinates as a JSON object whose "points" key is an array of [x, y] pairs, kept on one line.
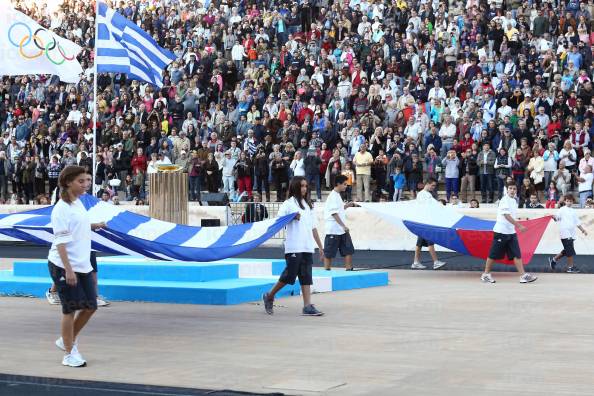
{"points": [[299, 246], [69, 261]]}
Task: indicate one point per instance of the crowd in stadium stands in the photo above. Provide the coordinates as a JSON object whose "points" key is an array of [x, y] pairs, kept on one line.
{"points": [[389, 93]]}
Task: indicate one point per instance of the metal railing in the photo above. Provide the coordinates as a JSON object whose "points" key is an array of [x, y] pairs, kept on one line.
{"points": [[238, 209]]}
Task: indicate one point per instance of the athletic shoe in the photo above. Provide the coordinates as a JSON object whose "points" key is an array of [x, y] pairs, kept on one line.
{"points": [[417, 265], [102, 302], [438, 264], [52, 297], [552, 263], [350, 269], [573, 270], [268, 304], [73, 360], [310, 310], [487, 278], [60, 345], [526, 278]]}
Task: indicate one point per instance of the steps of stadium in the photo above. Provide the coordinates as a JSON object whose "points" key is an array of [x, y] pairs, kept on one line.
{"points": [[225, 282]]}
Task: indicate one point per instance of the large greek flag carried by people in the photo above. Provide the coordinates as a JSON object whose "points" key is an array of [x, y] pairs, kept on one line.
{"points": [[132, 234], [122, 47]]}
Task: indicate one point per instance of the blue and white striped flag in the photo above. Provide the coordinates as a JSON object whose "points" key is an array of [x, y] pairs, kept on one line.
{"points": [[122, 47], [132, 234]]}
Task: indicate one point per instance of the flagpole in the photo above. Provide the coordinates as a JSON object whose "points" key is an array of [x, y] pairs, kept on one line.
{"points": [[95, 104]]}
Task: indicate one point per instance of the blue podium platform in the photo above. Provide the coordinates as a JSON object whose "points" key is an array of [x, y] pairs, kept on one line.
{"points": [[225, 282]]}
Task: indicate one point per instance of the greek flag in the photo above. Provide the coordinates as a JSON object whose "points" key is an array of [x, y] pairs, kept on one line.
{"points": [[132, 234], [122, 47]]}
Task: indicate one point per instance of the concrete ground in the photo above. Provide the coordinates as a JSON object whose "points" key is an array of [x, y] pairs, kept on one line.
{"points": [[427, 333]]}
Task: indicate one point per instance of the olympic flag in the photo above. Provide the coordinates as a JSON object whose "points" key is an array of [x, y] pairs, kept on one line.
{"points": [[28, 48]]}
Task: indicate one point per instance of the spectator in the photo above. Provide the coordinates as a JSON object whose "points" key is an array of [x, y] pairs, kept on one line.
{"points": [[470, 83], [363, 161], [452, 173], [585, 184], [486, 163]]}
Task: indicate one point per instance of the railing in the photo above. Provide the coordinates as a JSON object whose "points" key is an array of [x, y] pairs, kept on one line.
{"points": [[238, 209]]}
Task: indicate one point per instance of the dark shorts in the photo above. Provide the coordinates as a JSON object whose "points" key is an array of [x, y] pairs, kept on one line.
{"points": [[568, 249], [342, 243], [94, 260], [74, 298], [424, 242], [298, 265], [505, 245]]}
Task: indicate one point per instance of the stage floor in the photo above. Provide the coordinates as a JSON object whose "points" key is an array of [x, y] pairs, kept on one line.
{"points": [[427, 333]]}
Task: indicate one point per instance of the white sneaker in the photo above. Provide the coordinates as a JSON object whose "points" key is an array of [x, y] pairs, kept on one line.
{"points": [[52, 297], [102, 302], [60, 345], [487, 278], [438, 264], [73, 360], [526, 278], [417, 265]]}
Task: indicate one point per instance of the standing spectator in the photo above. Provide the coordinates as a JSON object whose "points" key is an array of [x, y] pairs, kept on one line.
{"points": [[194, 176], [229, 174], [585, 184], [4, 175], [486, 162], [311, 164], [363, 161], [468, 171], [502, 167], [243, 169], [536, 171], [452, 173]]}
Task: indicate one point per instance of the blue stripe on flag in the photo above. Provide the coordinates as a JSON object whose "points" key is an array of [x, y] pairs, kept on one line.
{"points": [[127, 221], [102, 32]]}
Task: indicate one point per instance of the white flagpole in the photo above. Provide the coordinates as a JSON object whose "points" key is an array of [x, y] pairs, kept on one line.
{"points": [[95, 104]]}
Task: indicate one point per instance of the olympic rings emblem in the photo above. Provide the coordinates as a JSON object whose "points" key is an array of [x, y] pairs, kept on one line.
{"points": [[43, 42]]}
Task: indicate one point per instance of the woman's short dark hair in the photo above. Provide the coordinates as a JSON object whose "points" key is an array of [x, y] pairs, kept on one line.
{"points": [[295, 191]]}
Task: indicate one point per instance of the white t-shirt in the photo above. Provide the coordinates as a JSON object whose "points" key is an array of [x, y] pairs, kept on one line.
{"points": [[587, 184], [424, 196], [334, 205], [299, 237], [507, 205], [72, 227], [568, 221]]}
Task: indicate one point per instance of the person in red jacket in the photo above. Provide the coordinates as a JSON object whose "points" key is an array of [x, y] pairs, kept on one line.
{"points": [[139, 165]]}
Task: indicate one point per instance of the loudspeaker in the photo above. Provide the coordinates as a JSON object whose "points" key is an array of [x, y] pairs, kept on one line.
{"points": [[210, 223], [214, 199]]}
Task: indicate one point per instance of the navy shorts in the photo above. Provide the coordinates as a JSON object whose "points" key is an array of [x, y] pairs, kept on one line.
{"points": [[424, 242], [74, 298], [505, 245], [298, 265], [335, 243], [568, 249]]}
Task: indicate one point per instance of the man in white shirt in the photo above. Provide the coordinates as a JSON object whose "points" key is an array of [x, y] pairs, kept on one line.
{"points": [[585, 184], [425, 196], [74, 115], [504, 111], [447, 133], [437, 92], [299, 246], [568, 222], [505, 240], [337, 233]]}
